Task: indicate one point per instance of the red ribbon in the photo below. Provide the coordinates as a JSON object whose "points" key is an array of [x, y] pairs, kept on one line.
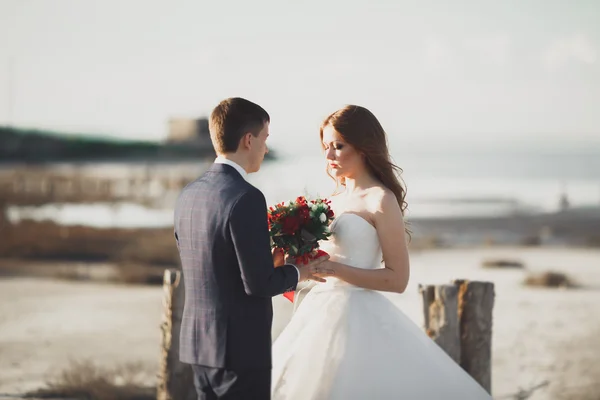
{"points": [[289, 296]]}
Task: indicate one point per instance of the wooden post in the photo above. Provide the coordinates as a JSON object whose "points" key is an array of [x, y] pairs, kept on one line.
{"points": [[440, 306], [175, 379], [3, 218], [475, 305], [458, 317]]}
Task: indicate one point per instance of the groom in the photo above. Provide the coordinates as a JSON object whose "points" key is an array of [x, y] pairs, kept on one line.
{"points": [[229, 272]]}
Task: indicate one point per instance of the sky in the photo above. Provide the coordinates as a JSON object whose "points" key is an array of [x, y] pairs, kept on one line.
{"points": [[436, 73]]}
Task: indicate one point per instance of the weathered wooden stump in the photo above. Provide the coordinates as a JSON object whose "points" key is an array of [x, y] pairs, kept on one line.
{"points": [[175, 380], [475, 306], [440, 305], [3, 217], [458, 317]]}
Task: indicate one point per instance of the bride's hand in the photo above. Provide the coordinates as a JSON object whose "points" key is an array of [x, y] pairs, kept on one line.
{"points": [[305, 269], [324, 269]]}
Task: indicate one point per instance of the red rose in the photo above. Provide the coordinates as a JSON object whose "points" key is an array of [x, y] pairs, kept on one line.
{"points": [[290, 225], [301, 200], [304, 213], [272, 218]]}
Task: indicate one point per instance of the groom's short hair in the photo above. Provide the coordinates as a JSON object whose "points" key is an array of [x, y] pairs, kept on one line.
{"points": [[231, 119]]}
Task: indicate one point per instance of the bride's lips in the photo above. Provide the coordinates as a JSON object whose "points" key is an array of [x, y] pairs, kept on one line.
{"points": [[334, 166]]}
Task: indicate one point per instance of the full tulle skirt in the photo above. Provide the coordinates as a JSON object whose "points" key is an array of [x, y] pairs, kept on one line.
{"points": [[346, 343]]}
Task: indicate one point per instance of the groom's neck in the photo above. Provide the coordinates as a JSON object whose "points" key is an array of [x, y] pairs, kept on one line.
{"points": [[237, 158]]}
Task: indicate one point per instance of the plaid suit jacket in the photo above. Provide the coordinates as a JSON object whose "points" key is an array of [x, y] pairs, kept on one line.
{"points": [[222, 235]]}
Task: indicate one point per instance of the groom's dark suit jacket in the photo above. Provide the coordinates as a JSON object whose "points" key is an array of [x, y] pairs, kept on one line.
{"points": [[222, 235]]}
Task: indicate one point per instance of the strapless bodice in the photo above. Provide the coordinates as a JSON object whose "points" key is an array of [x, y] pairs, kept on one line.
{"points": [[353, 242]]}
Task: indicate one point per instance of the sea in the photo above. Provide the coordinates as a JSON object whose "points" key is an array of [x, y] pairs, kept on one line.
{"points": [[453, 184]]}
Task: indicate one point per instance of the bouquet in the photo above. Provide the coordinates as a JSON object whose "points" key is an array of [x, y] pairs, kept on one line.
{"points": [[297, 227]]}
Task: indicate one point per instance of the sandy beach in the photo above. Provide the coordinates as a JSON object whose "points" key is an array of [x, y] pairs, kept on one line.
{"points": [[45, 323], [539, 334]]}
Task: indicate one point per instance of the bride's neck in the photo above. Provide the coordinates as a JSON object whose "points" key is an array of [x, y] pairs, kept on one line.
{"points": [[359, 183]]}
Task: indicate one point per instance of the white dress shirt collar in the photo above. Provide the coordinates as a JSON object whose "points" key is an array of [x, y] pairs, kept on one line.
{"points": [[238, 168]]}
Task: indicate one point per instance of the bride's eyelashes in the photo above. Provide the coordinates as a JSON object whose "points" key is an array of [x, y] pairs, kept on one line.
{"points": [[335, 147]]}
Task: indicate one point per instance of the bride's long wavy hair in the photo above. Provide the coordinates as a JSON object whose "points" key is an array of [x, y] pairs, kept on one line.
{"points": [[360, 128]]}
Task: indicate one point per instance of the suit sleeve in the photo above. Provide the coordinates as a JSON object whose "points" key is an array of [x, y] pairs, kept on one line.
{"points": [[175, 223], [250, 234]]}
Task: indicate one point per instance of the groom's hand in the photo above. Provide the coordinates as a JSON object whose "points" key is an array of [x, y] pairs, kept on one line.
{"points": [[278, 257]]}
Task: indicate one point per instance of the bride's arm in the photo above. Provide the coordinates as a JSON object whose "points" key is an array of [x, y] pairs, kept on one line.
{"points": [[389, 223]]}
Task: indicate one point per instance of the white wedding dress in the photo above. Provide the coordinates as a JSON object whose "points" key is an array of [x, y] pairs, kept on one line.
{"points": [[346, 343]]}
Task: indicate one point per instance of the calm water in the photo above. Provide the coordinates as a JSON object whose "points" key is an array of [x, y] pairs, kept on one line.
{"points": [[456, 184]]}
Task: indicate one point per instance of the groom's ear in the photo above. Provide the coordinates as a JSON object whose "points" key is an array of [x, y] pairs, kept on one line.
{"points": [[245, 141]]}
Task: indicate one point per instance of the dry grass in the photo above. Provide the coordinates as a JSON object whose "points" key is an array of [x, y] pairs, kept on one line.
{"points": [[425, 243], [502, 263], [550, 279], [140, 255], [84, 380], [127, 273], [49, 241], [593, 241], [132, 273], [531, 241]]}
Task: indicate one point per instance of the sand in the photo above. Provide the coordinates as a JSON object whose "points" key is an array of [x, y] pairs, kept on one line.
{"points": [[539, 334], [46, 323]]}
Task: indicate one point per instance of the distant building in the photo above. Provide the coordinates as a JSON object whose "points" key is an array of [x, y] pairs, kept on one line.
{"points": [[563, 200], [189, 131]]}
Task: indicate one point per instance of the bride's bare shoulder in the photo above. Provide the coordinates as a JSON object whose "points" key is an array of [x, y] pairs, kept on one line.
{"points": [[380, 198]]}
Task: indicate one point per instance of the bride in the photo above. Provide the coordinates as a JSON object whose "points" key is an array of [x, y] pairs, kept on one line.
{"points": [[346, 340]]}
